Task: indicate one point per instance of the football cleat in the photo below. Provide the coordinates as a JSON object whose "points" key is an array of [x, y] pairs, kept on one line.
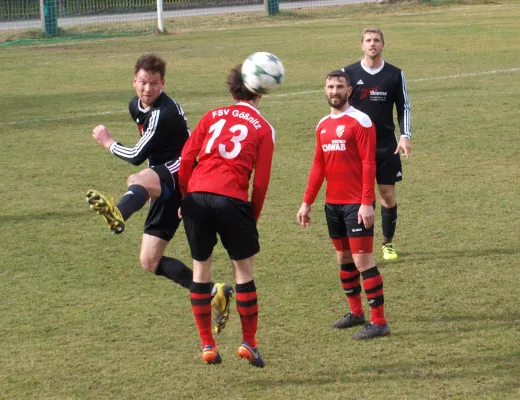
{"points": [[251, 354], [106, 207], [210, 355], [371, 331], [389, 252], [220, 306], [349, 320]]}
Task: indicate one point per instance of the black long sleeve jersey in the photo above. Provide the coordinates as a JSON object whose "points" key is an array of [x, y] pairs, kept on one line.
{"points": [[163, 129], [375, 92]]}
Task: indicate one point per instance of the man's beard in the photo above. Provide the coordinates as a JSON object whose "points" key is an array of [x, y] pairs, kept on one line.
{"points": [[337, 106]]}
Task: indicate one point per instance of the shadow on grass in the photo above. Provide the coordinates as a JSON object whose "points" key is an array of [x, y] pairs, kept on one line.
{"points": [[43, 216], [405, 257], [452, 369], [484, 316]]}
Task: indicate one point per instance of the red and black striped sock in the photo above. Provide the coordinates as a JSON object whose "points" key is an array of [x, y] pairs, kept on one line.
{"points": [[373, 286], [350, 278], [200, 296], [247, 307]]}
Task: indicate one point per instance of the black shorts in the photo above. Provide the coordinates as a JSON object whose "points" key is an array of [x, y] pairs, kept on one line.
{"points": [[163, 220], [342, 220], [206, 214], [168, 176], [388, 168]]}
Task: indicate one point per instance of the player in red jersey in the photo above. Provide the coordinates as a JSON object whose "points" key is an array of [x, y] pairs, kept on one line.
{"points": [[345, 157], [228, 143]]}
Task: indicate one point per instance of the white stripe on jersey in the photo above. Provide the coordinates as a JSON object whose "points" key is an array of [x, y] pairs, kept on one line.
{"points": [[181, 112], [406, 113], [131, 152], [173, 166]]}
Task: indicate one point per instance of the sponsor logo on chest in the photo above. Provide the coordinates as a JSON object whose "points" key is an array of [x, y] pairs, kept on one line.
{"points": [[334, 145], [374, 94]]}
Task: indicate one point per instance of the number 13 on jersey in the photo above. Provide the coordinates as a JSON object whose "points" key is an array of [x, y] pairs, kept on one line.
{"points": [[239, 132]]}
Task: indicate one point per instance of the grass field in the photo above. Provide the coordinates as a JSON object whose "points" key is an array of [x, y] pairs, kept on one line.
{"points": [[80, 319]]}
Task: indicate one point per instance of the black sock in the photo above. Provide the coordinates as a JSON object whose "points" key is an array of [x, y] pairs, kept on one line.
{"points": [[175, 270], [133, 200], [389, 222], [178, 272]]}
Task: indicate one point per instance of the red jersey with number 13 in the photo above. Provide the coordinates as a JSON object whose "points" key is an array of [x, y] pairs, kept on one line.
{"points": [[230, 142]]}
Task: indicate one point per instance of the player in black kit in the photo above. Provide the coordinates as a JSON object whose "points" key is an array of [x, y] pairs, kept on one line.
{"points": [[376, 87], [164, 131]]}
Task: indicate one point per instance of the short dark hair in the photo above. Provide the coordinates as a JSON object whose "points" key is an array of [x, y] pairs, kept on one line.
{"points": [[337, 73], [373, 30], [151, 63], [236, 86]]}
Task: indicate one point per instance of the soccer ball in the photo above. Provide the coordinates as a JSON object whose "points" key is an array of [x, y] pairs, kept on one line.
{"points": [[262, 72]]}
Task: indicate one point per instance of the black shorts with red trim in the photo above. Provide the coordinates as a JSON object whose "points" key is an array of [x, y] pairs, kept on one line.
{"points": [[342, 220]]}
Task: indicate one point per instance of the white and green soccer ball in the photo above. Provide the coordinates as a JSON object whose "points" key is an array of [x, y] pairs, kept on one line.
{"points": [[262, 72]]}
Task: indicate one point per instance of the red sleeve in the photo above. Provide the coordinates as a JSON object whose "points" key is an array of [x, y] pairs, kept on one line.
{"points": [[317, 173], [366, 143], [189, 154], [262, 173]]}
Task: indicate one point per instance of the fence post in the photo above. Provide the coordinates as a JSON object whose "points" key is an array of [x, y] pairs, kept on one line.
{"points": [[49, 16], [160, 16], [272, 6]]}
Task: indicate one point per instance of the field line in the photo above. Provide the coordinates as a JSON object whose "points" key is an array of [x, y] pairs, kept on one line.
{"points": [[433, 78], [496, 71]]}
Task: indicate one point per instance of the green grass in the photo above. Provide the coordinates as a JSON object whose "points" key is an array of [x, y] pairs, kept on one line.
{"points": [[82, 320]]}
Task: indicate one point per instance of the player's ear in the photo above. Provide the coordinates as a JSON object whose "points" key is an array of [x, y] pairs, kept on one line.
{"points": [[349, 91]]}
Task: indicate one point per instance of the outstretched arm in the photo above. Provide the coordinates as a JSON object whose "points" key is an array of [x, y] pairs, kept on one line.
{"points": [[158, 125], [103, 136]]}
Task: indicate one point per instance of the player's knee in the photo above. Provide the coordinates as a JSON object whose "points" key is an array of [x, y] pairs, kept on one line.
{"points": [[364, 261], [132, 180], [388, 199], [145, 179], [364, 266], [344, 257], [148, 263]]}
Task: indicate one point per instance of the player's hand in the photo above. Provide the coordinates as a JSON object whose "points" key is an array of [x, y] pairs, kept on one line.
{"points": [[366, 216], [303, 215], [179, 213], [102, 135], [404, 145]]}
